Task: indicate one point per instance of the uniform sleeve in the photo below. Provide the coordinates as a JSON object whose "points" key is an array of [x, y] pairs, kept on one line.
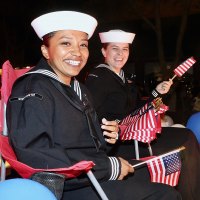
{"points": [[29, 119], [97, 86], [153, 95]]}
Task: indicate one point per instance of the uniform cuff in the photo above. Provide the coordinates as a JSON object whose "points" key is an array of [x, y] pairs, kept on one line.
{"points": [[155, 93], [115, 168]]}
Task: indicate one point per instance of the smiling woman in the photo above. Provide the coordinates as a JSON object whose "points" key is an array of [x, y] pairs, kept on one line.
{"points": [[67, 54]]}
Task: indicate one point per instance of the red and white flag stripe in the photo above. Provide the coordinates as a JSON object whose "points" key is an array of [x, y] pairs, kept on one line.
{"points": [[143, 126], [158, 171], [140, 127], [183, 67]]}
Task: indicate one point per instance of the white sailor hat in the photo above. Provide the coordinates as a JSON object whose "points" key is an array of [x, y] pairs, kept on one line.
{"points": [[116, 36], [64, 20]]}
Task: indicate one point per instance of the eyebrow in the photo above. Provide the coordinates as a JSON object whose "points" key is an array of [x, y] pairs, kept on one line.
{"points": [[67, 37], [119, 46]]}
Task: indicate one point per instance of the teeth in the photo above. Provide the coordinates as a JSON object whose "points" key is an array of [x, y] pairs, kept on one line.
{"points": [[73, 62]]}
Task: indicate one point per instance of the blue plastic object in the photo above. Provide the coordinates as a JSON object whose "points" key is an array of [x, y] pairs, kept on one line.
{"points": [[24, 189], [193, 124]]}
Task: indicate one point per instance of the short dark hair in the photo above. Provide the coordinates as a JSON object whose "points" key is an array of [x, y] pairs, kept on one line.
{"points": [[104, 45], [47, 37]]}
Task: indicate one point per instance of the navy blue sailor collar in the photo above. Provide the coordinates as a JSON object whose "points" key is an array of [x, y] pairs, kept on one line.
{"points": [[43, 68]]}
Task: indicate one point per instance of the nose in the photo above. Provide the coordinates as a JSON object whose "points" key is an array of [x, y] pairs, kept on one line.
{"points": [[75, 51], [120, 52]]}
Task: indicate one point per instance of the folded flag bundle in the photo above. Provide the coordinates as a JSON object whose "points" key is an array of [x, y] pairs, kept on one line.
{"points": [[143, 124]]}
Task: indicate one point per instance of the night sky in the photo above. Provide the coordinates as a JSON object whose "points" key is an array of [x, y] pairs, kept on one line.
{"points": [[21, 46]]}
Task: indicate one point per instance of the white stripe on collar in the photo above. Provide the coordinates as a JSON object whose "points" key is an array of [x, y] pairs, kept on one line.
{"points": [[76, 85], [45, 72], [121, 73], [77, 89]]}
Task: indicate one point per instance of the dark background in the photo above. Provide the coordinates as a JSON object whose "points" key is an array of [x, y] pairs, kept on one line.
{"points": [[21, 46]]}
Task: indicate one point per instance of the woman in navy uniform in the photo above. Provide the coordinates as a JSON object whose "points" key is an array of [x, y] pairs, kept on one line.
{"points": [[52, 123], [113, 100]]}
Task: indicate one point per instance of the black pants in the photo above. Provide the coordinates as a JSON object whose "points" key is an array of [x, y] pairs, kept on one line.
{"points": [[135, 187], [172, 138]]}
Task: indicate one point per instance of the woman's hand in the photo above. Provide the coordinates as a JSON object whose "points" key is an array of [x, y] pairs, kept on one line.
{"points": [[164, 86], [110, 130], [126, 168]]}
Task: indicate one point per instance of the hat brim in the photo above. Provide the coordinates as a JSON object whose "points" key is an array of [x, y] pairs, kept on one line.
{"points": [[116, 36], [64, 20]]}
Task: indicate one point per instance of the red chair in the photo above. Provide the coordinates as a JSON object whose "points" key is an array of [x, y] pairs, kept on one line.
{"points": [[9, 75]]}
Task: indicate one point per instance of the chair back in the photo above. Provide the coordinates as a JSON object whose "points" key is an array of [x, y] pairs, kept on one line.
{"points": [[9, 75]]}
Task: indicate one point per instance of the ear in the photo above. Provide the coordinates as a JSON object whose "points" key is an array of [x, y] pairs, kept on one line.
{"points": [[103, 52], [45, 52]]}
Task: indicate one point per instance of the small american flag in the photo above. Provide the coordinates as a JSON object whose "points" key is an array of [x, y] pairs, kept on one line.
{"points": [[183, 67], [165, 169]]}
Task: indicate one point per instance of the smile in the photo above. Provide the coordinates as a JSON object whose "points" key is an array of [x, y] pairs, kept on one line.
{"points": [[73, 62], [119, 59]]}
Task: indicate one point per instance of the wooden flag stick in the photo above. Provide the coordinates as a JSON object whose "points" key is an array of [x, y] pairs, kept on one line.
{"points": [[174, 77], [162, 155]]}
